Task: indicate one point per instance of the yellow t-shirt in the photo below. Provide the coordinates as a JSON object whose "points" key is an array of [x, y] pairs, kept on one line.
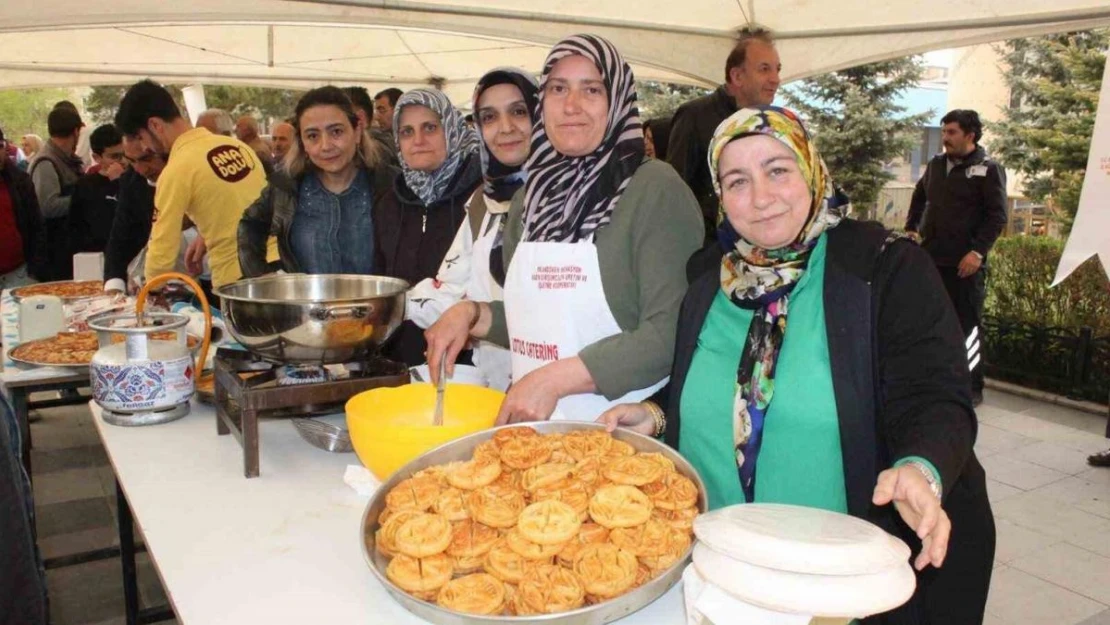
{"points": [[211, 179]]}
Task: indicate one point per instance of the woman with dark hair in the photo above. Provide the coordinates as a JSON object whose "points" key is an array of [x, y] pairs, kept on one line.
{"points": [[819, 363], [657, 134], [328, 204], [440, 169], [504, 109], [594, 251]]}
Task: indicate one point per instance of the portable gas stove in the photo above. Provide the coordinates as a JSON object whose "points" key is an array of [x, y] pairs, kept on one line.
{"points": [[248, 388]]}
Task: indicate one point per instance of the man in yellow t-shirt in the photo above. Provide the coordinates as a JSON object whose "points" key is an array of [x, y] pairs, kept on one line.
{"points": [[211, 179]]}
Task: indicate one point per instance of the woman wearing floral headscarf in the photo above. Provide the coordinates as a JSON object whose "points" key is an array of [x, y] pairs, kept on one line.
{"points": [[594, 248], [818, 363], [473, 269], [440, 169]]}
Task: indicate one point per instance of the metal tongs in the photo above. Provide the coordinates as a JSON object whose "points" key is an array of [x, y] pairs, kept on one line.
{"points": [[441, 388]]}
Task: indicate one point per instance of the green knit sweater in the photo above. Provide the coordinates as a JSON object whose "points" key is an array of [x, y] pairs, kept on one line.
{"points": [[642, 253]]}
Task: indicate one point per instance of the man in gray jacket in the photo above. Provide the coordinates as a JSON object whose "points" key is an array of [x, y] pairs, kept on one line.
{"points": [[55, 171]]}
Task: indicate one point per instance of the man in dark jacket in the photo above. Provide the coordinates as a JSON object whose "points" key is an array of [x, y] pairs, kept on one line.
{"points": [[55, 170], [22, 238], [134, 213], [751, 78], [22, 584], [959, 210], [93, 206]]}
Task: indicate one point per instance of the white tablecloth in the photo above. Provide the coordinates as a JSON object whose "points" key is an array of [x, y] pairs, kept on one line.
{"points": [[284, 547]]}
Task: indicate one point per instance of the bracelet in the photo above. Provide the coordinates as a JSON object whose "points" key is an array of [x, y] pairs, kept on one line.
{"points": [[658, 416], [929, 477]]}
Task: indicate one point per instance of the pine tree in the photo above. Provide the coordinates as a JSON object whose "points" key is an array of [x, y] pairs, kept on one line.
{"points": [[661, 99], [858, 125], [1046, 133]]}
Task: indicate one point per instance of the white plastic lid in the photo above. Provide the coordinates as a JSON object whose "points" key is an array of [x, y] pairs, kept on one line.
{"points": [[846, 596], [800, 540]]}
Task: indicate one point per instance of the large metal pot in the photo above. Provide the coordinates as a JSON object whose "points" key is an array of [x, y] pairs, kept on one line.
{"points": [[318, 319]]}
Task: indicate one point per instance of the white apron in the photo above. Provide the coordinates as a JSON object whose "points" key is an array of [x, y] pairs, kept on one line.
{"points": [[554, 307], [491, 360]]}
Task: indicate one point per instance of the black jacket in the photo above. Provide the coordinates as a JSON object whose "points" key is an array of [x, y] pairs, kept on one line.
{"points": [[91, 212], [28, 218], [959, 211], [22, 588], [130, 225], [273, 211], [692, 129], [416, 241], [902, 389]]}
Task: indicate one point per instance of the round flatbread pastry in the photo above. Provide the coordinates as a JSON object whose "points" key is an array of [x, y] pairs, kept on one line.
{"points": [[413, 494], [674, 492], [682, 519], [650, 539], [479, 593], [525, 452], [677, 545], [474, 474], [546, 475], [451, 504], [420, 574], [587, 443], [487, 451], [547, 589], [495, 507], [620, 506], [470, 539], [632, 470], [620, 449], [661, 460], [466, 566], [549, 522], [588, 534], [528, 549], [605, 570], [386, 537], [506, 564], [571, 492], [504, 435], [423, 535]]}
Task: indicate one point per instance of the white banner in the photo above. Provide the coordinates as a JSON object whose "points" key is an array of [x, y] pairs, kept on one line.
{"points": [[1090, 234], [194, 101]]}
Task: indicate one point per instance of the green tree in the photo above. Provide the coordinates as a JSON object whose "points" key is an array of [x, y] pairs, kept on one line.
{"points": [[1046, 133], [662, 99], [24, 111], [858, 124], [259, 101]]}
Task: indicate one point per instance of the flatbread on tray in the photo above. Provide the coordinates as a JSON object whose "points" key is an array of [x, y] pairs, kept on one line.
{"points": [[74, 349], [65, 290]]}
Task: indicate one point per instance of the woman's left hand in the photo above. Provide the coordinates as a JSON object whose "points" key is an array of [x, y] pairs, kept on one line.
{"points": [[533, 398], [920, 509]]}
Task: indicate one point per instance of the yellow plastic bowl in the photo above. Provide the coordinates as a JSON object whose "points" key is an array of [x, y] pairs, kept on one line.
{"points": [[391, 426]]}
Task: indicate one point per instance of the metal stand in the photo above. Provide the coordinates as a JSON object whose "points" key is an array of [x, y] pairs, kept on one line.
{"points": [[135, 615]]}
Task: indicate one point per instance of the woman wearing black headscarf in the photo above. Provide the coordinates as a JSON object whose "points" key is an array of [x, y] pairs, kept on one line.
{"points": [[504, 109], [595, 249]]}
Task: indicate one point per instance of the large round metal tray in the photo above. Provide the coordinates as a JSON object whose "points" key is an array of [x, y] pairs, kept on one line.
{"points": [[463, 449]]}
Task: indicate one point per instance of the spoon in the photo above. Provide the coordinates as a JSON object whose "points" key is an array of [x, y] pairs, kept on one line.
{"points": [[441, 388]]}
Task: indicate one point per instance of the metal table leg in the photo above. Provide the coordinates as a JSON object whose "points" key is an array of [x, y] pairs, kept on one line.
{"points": [[135, 615]]}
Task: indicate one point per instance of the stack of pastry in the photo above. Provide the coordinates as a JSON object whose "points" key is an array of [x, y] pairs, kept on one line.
{"points": [[537, 524]]}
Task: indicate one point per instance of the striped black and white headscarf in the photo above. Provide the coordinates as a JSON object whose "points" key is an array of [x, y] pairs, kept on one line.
{"points": [[568, 199], [461, 143]]}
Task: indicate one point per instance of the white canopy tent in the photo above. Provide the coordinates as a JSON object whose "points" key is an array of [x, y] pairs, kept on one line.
{"points": [[450, 43]]}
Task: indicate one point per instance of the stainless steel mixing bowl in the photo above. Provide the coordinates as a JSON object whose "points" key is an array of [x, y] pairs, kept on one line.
{"points": [[318, 319]]}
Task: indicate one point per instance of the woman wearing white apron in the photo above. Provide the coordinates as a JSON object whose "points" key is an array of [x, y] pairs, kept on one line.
{"points": [[473, 269], [596, 249]]}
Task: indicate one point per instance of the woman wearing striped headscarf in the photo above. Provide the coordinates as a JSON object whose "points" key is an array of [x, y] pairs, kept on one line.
{"points": [[595, 248], [818, 362], [440, 169]]}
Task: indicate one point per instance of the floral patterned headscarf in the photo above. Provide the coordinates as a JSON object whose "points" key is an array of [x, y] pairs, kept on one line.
{"points": [[761, 279]]}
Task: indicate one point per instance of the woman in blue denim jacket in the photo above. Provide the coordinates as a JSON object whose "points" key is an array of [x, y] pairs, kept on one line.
{"points": [[328, 199]]}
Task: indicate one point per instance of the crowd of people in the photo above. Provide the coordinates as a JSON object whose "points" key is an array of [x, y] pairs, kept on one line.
{"points": [[596, 266]]}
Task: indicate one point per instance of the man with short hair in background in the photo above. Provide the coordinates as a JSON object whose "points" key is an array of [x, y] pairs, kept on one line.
{"points": [[384, 103], [217, 121], [246, 130], [134, 213], [364, 110], [55, 171], [95, 196], [751, 79], [282, 134], [959, 209], [208, 178]]}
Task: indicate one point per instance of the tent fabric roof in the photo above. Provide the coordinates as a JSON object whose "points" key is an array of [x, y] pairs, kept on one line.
{"points": [[450, 43]]}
